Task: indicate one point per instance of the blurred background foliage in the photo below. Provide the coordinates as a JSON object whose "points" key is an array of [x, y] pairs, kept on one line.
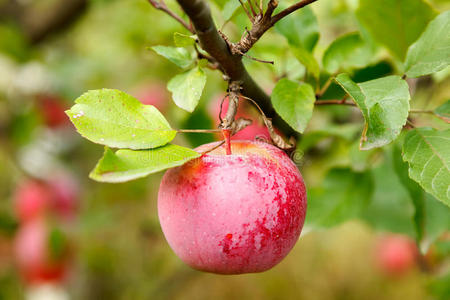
{"points": [[119, 249]]}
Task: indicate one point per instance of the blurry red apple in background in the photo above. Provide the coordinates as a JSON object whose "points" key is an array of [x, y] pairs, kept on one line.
{"points": [[233, 214], [52, 109], [396, 254], [37, 261], [153, 94], [35, 198], [256, 130], [32, 199]]}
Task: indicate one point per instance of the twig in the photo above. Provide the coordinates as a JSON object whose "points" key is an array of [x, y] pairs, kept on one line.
{"points": [[325, 87], [421, 111], [431, 112], [259, 60], [261, 25], [198, 130], [290, 10], [161, 5], [332, 102], [251, 7], [246, 11]]}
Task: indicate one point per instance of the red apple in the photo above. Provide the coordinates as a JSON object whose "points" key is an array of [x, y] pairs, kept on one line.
{"points": [[52, 109], [256, 130], [233, 214], [35, 198], [153, 94], [34, 256], [32, 199], [396, 254]]}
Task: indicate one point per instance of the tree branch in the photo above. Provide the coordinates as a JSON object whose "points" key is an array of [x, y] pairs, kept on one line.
{"points": [[161, 5], [231, 64], [290, 10], [261, 25], [332, 102]]}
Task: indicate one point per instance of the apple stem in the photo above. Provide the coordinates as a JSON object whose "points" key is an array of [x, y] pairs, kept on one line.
{"points": [[226, 135]]}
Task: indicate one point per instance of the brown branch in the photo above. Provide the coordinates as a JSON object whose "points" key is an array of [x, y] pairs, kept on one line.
{"points": [[430, 112], [246, 11], [231, 64], [334, 102], [261, 25], [290, 10], [161, 5]]}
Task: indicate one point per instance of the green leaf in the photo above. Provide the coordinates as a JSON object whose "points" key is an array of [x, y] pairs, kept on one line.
{"points": [[230, 8], [294, 102], [347, 52], [116, 119], [437, 220], [391, 208], [183, 40], [415, 192], [343, 195], [343, 131], [431, 52], [443, 111], [126, 165], [395, 23], [307, 59], [428, 154], [300, 29], [179, 56], [187, 88], [384, 103]]}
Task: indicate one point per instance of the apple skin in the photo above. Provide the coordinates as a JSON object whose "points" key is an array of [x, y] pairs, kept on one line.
{"points": [[233, 214], [396, 254], [32, 253], [35, 198]]}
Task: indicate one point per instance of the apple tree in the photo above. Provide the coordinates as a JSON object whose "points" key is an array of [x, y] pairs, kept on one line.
{"points": [[266, 53]]}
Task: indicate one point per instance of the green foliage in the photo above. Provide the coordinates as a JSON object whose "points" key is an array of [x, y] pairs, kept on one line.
{"points": [[307, 59], [301, 29], [187, 88], [430, 53], [395, 23], [347, 52], [116, 119], [344, 195], [415, 192], [230, 8], [443, 111], [294, 102], [183, 40], [427, 152], [179, 56], [391, 208], [384, 103], [125, 165]]}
